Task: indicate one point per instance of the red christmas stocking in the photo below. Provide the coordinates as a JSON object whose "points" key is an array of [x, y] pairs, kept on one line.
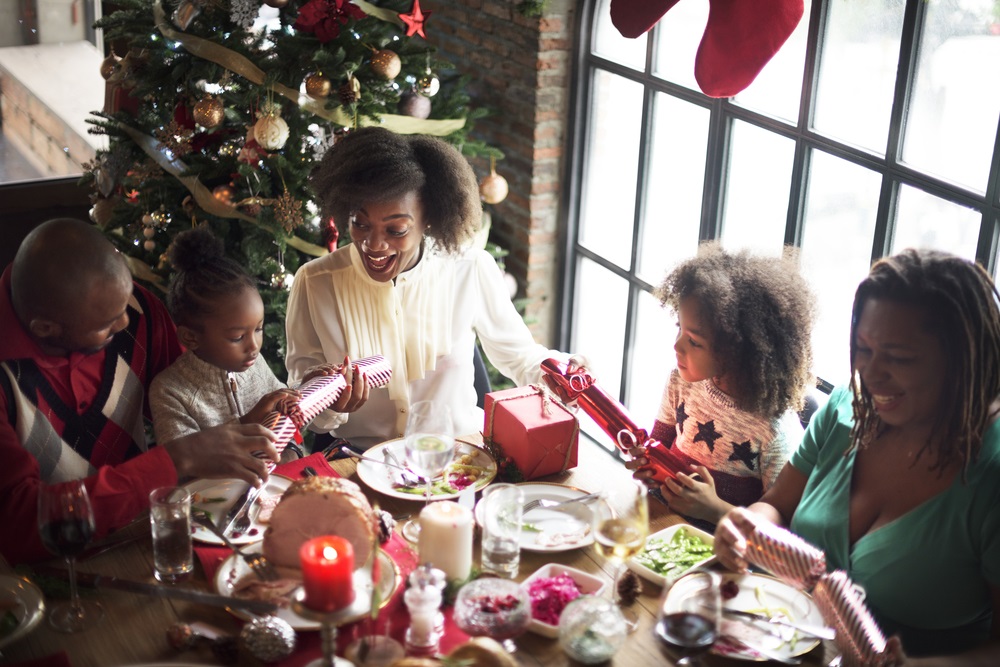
{"points": [[634, 17], [741, 37]]}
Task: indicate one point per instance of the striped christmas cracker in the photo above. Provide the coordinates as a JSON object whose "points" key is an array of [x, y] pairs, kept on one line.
{"points": [[785, 555], [859, 638], [319, 394]]}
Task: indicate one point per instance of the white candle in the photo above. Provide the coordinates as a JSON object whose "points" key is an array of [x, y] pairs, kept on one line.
{"points": [[446, 539]]}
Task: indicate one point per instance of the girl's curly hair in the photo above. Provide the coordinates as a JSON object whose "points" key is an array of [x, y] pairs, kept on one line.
{"points": [[204, 274], [376, 165], [959, 301], [759, 313]]}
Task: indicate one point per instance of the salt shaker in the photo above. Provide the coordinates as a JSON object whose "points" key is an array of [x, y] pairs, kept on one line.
{"points": [[423, 600]]}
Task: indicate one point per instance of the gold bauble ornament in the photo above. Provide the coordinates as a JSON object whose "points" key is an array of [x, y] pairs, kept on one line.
{"points": [[209, 112], [148, 232], [101, 211], [223, 193], [386, 64], [109, 65], [149, 245], [277, 4], [493, 188], [317, 85], [271, 132]]}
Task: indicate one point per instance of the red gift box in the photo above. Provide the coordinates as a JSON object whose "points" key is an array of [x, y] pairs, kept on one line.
{"points": [[533, 428]]}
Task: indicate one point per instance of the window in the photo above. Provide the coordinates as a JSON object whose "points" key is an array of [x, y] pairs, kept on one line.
{"points": [[875, 128]]}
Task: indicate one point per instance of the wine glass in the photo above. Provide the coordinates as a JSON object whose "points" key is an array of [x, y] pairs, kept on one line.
{"points": [[429, 447], [621, 524], [66, 526], [495, 608], [690, 615]]}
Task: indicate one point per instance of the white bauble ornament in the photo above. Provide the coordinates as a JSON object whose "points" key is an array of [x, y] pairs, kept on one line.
{"points": [[271, 132]]}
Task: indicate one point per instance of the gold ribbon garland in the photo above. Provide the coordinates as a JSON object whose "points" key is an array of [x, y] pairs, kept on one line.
{"points": [[234, 62], [203, 195]]}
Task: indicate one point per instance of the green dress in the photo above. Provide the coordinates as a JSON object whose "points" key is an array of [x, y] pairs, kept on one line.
{"points": [[927, 574]]}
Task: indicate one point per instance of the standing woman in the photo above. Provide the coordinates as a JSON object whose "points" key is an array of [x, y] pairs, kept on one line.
{"points": [[407, 287], [898, 477]]}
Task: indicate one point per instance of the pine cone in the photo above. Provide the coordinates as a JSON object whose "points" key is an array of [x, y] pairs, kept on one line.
{"points": [[350, 92], [385, 526], [629, 587]]}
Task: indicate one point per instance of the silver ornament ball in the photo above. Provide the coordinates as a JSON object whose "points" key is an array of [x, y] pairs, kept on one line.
{"points": [[268, 638], [428, 85]]}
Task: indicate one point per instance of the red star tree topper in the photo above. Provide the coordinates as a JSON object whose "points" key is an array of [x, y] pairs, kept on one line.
{"points": [[415, 20]]}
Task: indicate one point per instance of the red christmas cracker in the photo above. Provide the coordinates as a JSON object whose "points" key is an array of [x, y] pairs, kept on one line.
{"points": [[785, 555], [319, 394], [859, 638]]}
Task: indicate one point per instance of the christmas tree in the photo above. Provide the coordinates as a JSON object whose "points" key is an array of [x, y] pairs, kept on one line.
{"points": [[217, 110]]}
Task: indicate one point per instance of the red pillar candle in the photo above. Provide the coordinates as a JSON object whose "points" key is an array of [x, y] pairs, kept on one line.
{"points": [[327, 572]]}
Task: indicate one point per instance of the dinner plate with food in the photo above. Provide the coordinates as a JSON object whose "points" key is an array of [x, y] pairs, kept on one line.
{"points": [[215, 497], [767, 597], [671, 552], [21, 608], [314, 507], [546, 528], [472, 467]]}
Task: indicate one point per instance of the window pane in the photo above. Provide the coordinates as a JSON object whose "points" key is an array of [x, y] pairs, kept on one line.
{"points": [[607, 212], [778, 88], [841, 205], [858, 71], [652, 359], [609, 43], [601, 309], [926, 221], [672, 207], [760, 173], [953, 113], [677, 37]]}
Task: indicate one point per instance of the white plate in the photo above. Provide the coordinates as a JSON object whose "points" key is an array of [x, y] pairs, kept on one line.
{"points": [[548, 530], [666, 535], [377, 476], [762, 594], [216, 496], [234, 569], [28, 606]]}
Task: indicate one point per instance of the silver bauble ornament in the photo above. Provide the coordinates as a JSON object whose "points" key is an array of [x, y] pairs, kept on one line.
{"points": [[428, 84], [271, 132], [412, 103], [268, 638]]}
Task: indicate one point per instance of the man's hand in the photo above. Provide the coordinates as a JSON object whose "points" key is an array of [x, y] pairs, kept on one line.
{"points": [[230, 450], [731, 537]]}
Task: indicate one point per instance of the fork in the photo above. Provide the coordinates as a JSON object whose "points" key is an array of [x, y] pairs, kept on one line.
{"points": [[548, 504], [259, 563]]}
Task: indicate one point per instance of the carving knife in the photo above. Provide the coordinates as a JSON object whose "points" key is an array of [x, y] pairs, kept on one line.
{"points": [[101, 581]]}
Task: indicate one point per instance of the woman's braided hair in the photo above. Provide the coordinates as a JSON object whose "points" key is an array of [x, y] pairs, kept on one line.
{"points": [[759, 311], [960, 304]]}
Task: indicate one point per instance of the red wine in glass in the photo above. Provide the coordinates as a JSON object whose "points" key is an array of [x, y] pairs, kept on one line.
{"points": [[691, 633], [66, 526]]}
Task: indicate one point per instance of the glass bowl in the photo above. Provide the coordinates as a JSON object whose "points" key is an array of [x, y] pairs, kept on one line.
{"points": [[592, 629], [495, 608]]}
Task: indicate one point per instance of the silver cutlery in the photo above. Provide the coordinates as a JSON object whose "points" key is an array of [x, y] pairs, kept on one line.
{"points": [[546, 503], [362, 457], [818, 631], [259, 563], [406, 476], [770, 655], [240, 521]]}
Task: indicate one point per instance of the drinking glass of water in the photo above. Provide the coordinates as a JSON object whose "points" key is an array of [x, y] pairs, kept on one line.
{"points": [[502, 519], [430, 447], [66, 525], [170, 522]]}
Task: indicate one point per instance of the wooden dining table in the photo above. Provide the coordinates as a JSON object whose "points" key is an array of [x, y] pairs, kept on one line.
{"points": [[133, 631]]}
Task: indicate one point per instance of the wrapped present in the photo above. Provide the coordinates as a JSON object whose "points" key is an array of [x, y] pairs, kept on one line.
{"points": [[318, 394], [859, 638], [532, 428], [785, 555]]}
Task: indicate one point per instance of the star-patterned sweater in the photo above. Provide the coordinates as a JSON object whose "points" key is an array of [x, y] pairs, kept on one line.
{"points": [[744, 452]]}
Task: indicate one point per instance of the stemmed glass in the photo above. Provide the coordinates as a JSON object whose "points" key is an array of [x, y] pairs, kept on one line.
{"points": [[495, 608], [66, 526], [430, 447], [689, 619], [621, 524]]}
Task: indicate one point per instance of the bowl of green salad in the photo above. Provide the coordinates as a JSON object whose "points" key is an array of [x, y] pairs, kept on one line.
{"points": [[671, 552]]}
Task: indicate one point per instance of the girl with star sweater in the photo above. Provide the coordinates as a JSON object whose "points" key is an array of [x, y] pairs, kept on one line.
{"points": [[728, 412]]}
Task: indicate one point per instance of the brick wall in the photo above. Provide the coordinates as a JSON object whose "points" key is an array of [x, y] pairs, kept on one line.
{"points": [[520, 69]]}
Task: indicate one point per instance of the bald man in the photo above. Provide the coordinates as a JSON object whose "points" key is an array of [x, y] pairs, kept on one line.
{"points": [[79, 345]]}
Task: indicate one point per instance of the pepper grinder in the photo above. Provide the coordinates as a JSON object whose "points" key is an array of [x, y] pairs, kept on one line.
{"points": [[423, 600]]}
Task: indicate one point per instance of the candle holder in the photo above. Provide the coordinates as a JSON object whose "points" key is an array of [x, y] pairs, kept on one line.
{"points": [[329, 622]]}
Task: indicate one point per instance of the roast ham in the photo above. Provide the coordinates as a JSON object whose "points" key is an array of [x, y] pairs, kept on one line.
{"points": [[317, 506]]}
